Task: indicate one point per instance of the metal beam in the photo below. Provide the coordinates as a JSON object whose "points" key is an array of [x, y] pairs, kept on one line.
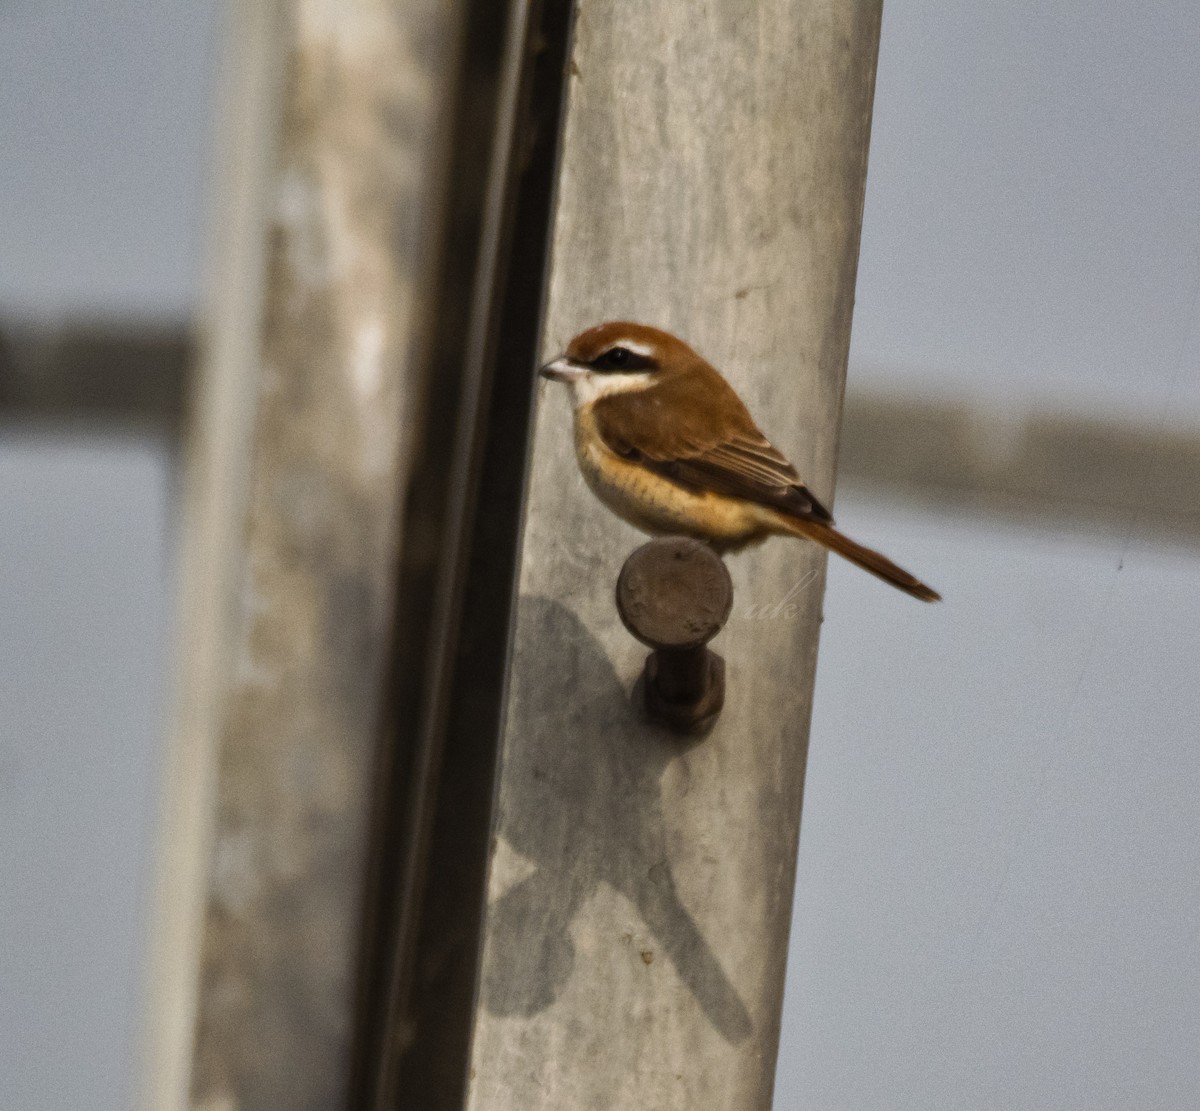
{"points": [[640, 890], [1076, 472], [310, 408], [1060, 470], [118, 374], [434, 807]]}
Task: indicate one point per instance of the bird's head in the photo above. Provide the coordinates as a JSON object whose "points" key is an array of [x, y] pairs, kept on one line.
{"points": [[619, 357]]}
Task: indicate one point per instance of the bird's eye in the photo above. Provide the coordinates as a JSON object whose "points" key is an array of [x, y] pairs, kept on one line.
{"points": [[614, 358]]}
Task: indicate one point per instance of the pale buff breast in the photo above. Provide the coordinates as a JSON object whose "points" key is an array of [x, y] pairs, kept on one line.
{"points": [[657, 506]]}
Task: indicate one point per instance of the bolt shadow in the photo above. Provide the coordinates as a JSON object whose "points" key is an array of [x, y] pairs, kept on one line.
{"points": [[600, 774]]}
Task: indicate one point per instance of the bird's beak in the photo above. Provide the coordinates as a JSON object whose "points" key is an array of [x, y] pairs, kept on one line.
{"points": [[563, 369]]}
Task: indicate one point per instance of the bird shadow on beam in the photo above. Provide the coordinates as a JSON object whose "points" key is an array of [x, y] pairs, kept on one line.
{"points": [[590, 812]]}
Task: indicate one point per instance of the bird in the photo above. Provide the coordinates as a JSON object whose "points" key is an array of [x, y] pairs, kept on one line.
{"points": [[665, 442]]}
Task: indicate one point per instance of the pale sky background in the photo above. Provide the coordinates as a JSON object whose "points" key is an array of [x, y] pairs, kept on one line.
{"points": [[105, 115], [998, 899], [998, 903], [1032, 226]]}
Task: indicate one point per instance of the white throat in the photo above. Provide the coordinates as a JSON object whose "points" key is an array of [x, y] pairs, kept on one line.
{"points": [[593, 385]]}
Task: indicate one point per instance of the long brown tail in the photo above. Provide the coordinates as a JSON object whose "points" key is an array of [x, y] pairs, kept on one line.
{"points": [[866, 558]]}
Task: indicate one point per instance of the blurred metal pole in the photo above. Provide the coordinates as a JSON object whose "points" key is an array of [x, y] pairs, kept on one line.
{"points": [[713, 165], [308, 412], [215, 474]]}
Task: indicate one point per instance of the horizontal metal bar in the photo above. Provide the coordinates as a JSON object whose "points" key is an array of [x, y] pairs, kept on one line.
{"points": [[1080, 471]]}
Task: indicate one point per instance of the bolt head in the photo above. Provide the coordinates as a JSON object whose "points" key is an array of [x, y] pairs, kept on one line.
{"points": [[674, 592]]}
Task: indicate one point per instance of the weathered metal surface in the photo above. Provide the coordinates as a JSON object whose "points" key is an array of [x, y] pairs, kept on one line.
{"points": [[337, 372], [712, 180]]}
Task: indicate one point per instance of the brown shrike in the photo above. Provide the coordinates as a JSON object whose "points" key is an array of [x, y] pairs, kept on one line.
{"points": [[666, 444]]}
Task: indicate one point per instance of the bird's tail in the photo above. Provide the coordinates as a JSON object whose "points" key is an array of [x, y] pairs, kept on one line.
{"points": [[829, 537]]}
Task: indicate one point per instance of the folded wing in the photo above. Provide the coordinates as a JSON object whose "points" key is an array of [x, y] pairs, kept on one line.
{"points": [[714, 448]]}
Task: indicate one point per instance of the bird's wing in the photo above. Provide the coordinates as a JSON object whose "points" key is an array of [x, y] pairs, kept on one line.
{"points": [[698, 453]]}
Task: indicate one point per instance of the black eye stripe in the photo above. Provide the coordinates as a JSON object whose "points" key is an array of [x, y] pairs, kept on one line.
{"points": [[618, 359]]}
